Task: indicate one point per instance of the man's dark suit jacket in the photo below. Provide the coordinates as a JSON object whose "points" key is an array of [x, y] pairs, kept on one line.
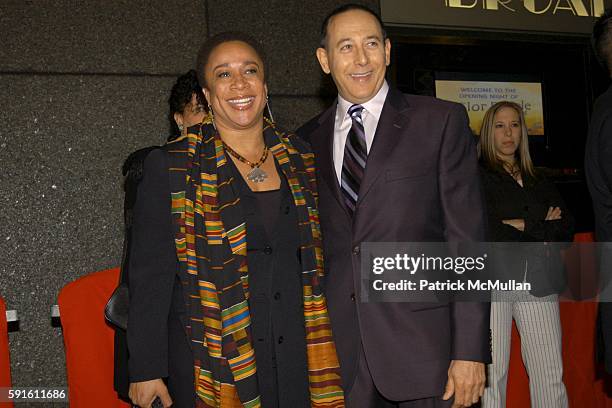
{"points": [[421, 184], [598, 165], [598, 169]]}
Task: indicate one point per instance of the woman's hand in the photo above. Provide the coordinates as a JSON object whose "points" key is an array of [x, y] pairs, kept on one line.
{"points": [[144, 393], [517, 223], [554, 213]]}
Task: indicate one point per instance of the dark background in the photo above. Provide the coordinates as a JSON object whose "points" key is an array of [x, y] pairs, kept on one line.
{"points": [[571, 79]]}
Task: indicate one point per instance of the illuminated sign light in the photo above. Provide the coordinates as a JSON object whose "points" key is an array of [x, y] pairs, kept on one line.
{"points": [[574, 17], [589, 8]]}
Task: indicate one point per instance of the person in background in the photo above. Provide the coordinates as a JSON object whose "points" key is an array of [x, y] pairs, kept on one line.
{"points": [[523, 206], [187, 104], [186, 108], [393, 167], [598, 169], [226, 308]]}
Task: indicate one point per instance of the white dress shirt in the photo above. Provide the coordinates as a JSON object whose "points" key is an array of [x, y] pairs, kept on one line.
{"points": [[343, 122]]}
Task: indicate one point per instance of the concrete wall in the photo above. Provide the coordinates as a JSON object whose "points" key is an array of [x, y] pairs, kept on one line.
{"points": [[82, 84]]}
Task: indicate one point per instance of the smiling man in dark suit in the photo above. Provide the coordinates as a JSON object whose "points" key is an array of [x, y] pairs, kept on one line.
{"points": [[394, 167]]}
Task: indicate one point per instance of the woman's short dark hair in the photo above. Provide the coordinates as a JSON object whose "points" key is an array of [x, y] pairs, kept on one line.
{"points": [[602, 39], [210, 44], [343, 9], [180, 96]]}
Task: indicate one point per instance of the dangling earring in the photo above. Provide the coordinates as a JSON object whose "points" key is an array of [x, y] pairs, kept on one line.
{"points": [[180, 128], [212, 116], [269, 110]]}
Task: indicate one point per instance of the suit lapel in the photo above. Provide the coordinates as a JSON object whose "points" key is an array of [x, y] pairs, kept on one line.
{"points": [[391, 125], [322, 140]]}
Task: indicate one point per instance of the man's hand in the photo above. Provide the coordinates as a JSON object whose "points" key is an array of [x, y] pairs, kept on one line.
{"points": [[144, 393], [466, 380]]}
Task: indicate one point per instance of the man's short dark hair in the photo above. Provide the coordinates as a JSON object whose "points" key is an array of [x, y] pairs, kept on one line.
{"points": [[602, 39], [210, 44], [344, 9]]}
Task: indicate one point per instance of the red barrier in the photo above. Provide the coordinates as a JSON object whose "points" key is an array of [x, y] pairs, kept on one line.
{"points": [[583, 379], [88, 340]]}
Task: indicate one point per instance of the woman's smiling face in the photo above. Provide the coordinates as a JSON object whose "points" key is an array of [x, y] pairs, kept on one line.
{"points": [[235, 86]]}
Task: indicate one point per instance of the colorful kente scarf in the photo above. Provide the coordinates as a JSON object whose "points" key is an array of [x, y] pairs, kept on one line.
{"points": [[211, 244]]}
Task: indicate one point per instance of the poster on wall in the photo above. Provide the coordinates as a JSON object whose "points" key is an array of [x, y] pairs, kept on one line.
{"points": [[477, 96]]}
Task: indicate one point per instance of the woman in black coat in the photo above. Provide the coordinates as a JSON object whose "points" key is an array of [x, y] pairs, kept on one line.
{"points": [[526, 211], [226, 307]]}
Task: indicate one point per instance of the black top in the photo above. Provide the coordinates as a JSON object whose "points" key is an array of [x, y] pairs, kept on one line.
{"points": [[506, 199], [268, 203], [276, 295], [535, 259]]}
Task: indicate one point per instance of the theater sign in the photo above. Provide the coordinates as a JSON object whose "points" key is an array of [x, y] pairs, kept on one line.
{"points": [[536, 16]]}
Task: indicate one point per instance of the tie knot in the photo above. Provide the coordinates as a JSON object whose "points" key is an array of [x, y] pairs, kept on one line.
{"points": [[355, 110]]}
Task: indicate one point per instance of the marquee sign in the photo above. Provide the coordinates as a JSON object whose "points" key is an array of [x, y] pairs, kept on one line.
{"points": [[536, 16]]}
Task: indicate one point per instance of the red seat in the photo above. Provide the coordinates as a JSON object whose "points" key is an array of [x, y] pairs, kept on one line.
{"points": [[88, 340], [5, 364]]}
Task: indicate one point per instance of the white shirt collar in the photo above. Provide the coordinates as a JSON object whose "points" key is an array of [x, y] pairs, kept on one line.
{"points": [[370, 117], [373, 106]]}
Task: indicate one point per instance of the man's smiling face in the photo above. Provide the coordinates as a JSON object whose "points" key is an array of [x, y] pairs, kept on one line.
{"points": [[356, 55]]}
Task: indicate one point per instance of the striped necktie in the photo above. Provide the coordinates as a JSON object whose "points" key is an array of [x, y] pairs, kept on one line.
{"points": [[355, 156]]}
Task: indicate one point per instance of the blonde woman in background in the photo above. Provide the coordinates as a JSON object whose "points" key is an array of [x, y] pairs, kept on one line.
{"points": [[523, 206]]}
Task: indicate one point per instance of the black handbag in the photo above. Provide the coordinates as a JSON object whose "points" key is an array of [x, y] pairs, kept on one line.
{"points": [[116, 310]]}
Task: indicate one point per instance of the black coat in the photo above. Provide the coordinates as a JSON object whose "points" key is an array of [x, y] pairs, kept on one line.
{"points": [[157, 345], [598, 165], [506, 199], [598, 169]]}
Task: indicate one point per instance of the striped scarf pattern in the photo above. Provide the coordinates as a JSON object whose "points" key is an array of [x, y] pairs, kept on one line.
{"points": [[211, 246]]}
